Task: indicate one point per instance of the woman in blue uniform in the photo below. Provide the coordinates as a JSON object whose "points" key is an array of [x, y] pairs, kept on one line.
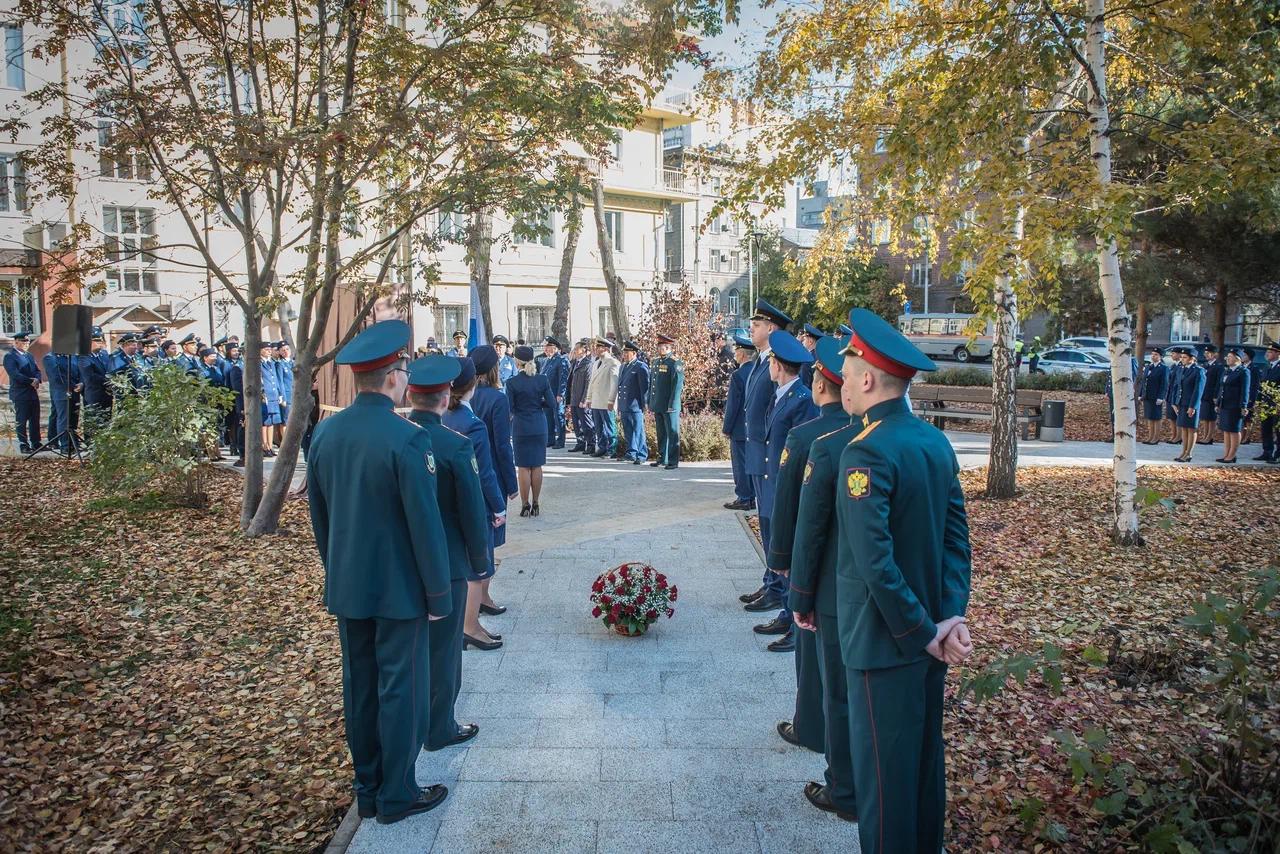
{"points": [[531, 405], [1155, 377], [1191, 381], [461, 419], [1233, 405]]}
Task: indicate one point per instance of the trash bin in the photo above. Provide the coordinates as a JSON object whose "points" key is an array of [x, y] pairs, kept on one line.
{"points": [[1051, 418]]}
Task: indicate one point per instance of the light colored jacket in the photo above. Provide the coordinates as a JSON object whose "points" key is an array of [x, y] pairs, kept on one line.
{"points": [[602, 390]]}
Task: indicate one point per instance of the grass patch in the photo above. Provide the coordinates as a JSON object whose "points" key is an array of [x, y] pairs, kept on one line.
{"points": [[147, 502]]}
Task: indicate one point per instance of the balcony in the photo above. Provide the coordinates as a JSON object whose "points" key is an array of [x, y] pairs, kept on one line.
{"points": [[641, 190], [674, 107]]}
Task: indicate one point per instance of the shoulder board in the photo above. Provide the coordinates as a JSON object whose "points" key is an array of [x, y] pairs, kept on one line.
{"points": [[866, 431]]}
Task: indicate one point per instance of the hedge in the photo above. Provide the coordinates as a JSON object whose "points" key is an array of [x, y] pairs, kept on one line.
{"points": [[1095, 382]]}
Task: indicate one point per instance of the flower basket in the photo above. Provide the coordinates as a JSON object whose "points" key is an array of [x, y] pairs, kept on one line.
{"points": [[631, 597]]}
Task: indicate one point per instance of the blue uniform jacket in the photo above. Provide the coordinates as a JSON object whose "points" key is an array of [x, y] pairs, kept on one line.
{"points": [[270, 387], [235, 382], [556, 370], [506, 369], [1155, 378], [23, 374], [1234, 390], [1270, 374], [735, 416], [1173, 384], [1191, 387], [1257, 370], [58, 369], [758, 393], [495, 411], [463, 420], [1212, 381], [531, 402], [633, 386], [191, 364], [214, 375], [119, 363], [371, 481], [284, 378], [795, 407], [93, 373]]}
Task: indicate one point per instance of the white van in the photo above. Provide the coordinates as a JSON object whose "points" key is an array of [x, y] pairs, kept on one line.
{"points": [[950, 336]]}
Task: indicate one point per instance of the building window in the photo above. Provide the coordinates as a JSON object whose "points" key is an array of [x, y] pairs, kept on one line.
{"points": [[18, 306], [13, 183], [119, 156], [533, 322], [714, 258], [393, 10], [966, 270], [669, 221], [880, 232], [735, 261], [15, 63], [123, 29], [129, 238], [617, 149], [919, 274], [1184, 327], [881, 145], [733, 303], [673, 137], [448, 319], [714, 296], [716, 186], [604, 321], [539, 229], [452, 225], [613, 228], [240, 83]]}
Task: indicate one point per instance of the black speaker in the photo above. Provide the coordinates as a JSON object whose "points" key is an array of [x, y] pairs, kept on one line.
{"points": [[73, 330]]}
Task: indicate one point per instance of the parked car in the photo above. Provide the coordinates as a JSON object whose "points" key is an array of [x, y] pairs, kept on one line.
{"points": [[1064, 360], [948, 335], [1096, 346]]}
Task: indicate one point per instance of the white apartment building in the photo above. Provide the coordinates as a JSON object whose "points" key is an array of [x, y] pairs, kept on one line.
{"points": [[167, 284]]}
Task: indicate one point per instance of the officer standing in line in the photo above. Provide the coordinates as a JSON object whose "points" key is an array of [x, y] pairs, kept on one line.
{"points": [[93, 373], [24, 385], [189, 360], [270, 397], [902, 587], [809, 336], [792, 405], [371, 481], [633, 392], [1174, 388], [235, 418], [813, 596], [459, 347], [665, 389], [1209, 400], [556, 369], [1255, 370], [123, 362], [735, 424], [584, 440], [506, 364], [1270, 374], [807, 726], [602, 393], [757, 399], [1190, 391], [466, 525], [62, 372], [284, 379]]}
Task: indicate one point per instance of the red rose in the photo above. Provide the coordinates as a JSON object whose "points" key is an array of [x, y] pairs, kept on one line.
{"points": [[651, 615], [671, 613], [598, 586], [674, 593], [595, 612], [662, 583], [645, 590], [612, 578], [623, 570], [605, 600]]}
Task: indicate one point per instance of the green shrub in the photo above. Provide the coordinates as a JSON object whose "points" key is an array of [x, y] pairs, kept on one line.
{"points": [[700, 437], [158, 434], [1095, 382]]}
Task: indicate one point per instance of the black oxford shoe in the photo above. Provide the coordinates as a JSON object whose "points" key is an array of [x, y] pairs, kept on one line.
{"points": [[786, 643], [788, 733], [750, 597], [821, 798], [428, 799], [767, 602], [776, 626]]}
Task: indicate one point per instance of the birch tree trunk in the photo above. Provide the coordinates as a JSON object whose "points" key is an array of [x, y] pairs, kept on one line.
{"points": [[572, 230], [1120, 336], [479, 257], [617, 288], [1002, 460]]}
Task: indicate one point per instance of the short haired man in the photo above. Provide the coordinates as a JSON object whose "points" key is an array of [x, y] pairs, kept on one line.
{"points": [[190, 359], [734, 426], [371, 481], [93, 373], [24, 385], [459, 347], [633, 394], [506, 364], [602, 391], [555, 367], [584, 439], [665, 391]]}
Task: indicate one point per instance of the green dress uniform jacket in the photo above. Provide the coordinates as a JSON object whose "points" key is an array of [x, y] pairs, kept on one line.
{"points": [[903, 566], [466, 519], [808, 721], [666, 385], [371, 481]]}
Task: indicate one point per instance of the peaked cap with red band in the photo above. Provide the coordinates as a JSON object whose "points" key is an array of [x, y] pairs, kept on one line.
{"points": [[880, 345], [433, 373], [376, 347], [828, 356]]}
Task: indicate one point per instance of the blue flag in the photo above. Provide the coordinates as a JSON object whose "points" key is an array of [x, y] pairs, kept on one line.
{"points": [[476, 333]]}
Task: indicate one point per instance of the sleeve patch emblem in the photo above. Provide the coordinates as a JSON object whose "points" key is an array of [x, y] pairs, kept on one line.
{"points": [[858, 482], [782, 460], [431, 463], [808, 470]]}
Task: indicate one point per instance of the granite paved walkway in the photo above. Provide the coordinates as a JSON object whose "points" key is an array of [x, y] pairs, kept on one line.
{"points": [[591, 742]]}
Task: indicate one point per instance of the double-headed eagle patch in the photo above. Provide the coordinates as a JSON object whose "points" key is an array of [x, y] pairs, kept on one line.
{"points": [[857, 482]]}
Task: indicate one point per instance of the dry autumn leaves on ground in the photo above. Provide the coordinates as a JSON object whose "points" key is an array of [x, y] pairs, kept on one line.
{"points": [[166, 683]]}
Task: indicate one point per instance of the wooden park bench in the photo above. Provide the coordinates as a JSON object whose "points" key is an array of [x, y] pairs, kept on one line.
{"points": [[940, 403]]}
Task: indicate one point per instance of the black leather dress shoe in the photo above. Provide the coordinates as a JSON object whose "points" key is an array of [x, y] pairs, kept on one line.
{"points": [[428, 799], [492, 610], [483, 646], [788, 733], [466, 732], [672, 466], [366, 809], [750, 597], [786, 643], [776, 626], [820, 798], [767, 602]]}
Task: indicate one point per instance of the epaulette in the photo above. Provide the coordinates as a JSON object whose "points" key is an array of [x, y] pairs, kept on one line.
{"points": [[866, 431]]}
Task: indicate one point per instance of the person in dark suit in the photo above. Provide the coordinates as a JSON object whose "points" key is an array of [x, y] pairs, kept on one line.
{"points": [[792, 405], [93, 373], [1209, 400], [1255, 368], [665, 391], [807, 726], [1270, 374], [633, 392], [1190, 391], [531, 401], [735, 424], [584, 438], [189, 358], [556, 369], [1173, 388], [758, 393], [62, 372], [462, 419], [1233, 403], [494, 410], [809, 336], [1154, 383], [902, 589], [372, 489], [235, 418], [24, 385], [466, 526], [123, 364]]}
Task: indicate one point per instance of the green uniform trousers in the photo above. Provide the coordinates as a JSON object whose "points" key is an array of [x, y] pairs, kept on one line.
{"points": [[668, 437], [446, 668], [835, 708], [385, 675], [895, 720], [809, 722]]}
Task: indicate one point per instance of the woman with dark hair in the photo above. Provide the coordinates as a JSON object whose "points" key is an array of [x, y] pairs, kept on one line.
{"points": [[532, 403], [461, 419], [1233, 404], [490, 404]]}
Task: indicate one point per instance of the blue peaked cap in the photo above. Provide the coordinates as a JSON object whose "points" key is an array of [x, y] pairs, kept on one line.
{"points": [[788, 348]]}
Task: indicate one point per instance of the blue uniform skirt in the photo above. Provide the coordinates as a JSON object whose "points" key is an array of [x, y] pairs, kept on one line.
{"points": [[530, 451], [1152, 410], [1230, 420], [1168, 411], [1185, 419], [270, 418]]}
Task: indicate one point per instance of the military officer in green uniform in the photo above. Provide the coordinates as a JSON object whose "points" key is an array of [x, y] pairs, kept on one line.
{"points": [[371, 481], [902, 586], [807, 727], [665, 387], [813, 591], [466, 520]]}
